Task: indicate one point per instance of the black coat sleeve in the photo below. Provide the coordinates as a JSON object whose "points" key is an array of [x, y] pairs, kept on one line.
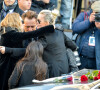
{"points": [[14, 78], [25, 35], [15, 52]]}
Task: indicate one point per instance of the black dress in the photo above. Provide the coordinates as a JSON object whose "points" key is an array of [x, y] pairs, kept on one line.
{"points": [[14, 39]]}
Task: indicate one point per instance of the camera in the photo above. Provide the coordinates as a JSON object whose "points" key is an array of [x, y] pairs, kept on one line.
{"points": [[97, 17]]}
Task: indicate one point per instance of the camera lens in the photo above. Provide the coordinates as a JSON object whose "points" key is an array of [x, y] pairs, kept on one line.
{"points": [[97, 17]]}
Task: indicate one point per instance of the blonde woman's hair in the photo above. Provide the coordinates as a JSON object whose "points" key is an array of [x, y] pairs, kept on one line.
{"points": [[12, 20], [50, 16]]}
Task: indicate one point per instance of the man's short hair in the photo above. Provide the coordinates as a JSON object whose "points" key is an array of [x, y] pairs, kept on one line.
{"points": [[29, 14]]}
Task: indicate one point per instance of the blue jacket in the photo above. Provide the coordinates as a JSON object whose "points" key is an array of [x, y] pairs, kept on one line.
{"points": [[83, 27]]}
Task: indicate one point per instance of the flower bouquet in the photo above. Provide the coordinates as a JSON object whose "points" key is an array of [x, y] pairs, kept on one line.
{"points": [[80, 77], [94, 75]]}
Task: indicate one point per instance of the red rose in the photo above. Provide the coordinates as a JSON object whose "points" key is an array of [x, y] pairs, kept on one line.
{"points": [[99, 71], [69, 78], [95, 78], [98, 76], [84, 78]]}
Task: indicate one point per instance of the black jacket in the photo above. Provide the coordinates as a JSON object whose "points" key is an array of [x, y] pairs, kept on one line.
{"points": [[55, 45], [14, 39], [37, 6], [23, 78]]}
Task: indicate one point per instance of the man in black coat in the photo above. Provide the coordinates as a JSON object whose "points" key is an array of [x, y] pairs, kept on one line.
{"points": [[38, 5], [9, 7]]}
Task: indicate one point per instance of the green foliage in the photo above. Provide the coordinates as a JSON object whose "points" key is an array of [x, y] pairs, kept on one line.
{"points": [[92, 74], [60, 80]]}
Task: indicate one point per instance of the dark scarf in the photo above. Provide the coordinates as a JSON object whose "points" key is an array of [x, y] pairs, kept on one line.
{"points": [[6, 9], [9, 7]]}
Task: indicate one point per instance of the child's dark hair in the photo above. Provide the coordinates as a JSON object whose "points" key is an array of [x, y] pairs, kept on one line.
{"points": [[33, 55]]}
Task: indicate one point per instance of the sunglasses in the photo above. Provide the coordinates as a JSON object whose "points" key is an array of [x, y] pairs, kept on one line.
{"points": [[38, 21]]}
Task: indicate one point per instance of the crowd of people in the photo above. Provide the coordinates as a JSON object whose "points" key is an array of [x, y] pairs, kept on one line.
{"points": [[32, 46]]}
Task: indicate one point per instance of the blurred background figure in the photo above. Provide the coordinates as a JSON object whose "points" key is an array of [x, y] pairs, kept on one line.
{"points": [[55, 2], [8, 6], [38, 5], [65, 8], [18, 6], [25, 5], [66, 11]]}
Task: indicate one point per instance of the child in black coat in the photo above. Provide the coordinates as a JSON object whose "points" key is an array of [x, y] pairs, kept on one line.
{"points": [[30, 67]]}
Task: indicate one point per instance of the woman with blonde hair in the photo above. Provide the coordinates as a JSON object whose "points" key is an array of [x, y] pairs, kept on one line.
{"points": [[11, 37], [55, 45], [30, 67], [12, 20]]}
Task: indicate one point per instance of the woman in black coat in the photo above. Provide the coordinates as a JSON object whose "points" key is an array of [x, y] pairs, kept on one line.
{"points": [[55, 45], [12, 38], [30, 67]]}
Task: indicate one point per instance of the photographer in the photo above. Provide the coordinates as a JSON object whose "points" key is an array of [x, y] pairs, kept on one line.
{"points": [[87, 26]]}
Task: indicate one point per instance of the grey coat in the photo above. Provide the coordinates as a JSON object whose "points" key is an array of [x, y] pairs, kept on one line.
{"points": [[55, 45]]}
